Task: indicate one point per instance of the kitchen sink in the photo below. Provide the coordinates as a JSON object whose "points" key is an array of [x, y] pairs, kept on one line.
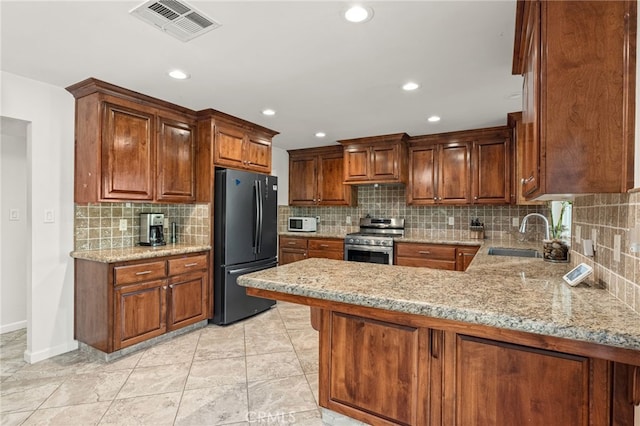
{"points": [[516, 252]]}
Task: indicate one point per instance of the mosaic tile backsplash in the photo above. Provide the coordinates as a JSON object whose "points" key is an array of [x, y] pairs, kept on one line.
{"points": [[427, 221], [608, 216], [97, 226]]}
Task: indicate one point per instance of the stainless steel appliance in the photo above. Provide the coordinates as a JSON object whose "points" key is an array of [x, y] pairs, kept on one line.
{"points": [[374, 242], [151, 229], [302, 224], [245, 240]]}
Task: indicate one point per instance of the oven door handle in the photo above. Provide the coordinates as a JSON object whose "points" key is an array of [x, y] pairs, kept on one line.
{"points": [[378, 249]]}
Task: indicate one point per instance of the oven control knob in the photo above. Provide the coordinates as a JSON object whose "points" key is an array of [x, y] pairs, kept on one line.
{"points": [[357, 241], [365, 241], [350, 240]]}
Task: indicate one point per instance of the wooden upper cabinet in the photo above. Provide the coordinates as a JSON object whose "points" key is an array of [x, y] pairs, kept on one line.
{"points": [[518, 145], [465, 167], [131, 147], [578, 62], [176, 161], [241, 148], [128, 140], [258, 153], [491, 170], [316, 178], [376, 159]]}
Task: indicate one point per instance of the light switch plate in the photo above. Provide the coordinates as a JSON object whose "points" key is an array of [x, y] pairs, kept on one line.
{"points": [[452, 220], [515, 222], [579, 234], [49, 216], [348, 220], [123, 224], [617, 245]]}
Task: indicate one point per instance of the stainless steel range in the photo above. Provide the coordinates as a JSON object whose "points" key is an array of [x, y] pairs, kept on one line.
{"points": [[374, 242]]}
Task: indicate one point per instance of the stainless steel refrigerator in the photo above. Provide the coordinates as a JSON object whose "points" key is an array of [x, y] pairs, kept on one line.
{"points": [[245, 240]]}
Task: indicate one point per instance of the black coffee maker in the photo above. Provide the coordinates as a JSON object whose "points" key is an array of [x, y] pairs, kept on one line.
{"points": [[151, 229]]}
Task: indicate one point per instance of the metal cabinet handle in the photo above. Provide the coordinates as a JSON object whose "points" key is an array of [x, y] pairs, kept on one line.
{"points": [[171, 287], [324, 245], [188, 265], [292, 243], [164, 287], [524, 181], [424, 252], [143, 273]]}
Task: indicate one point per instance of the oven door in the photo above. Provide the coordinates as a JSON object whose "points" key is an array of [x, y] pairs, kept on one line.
{"points": [[368, 254]]}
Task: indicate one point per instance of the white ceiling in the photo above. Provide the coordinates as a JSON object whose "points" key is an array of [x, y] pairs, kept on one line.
{"points": [[319, 72]]}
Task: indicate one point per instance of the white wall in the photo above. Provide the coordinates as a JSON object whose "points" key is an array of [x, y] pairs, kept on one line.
{"points": [[13, 231], [280, 168], [50, 140]]}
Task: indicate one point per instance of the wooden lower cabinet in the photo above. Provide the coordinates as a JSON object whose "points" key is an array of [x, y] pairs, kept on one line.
{"points": [[293, 249], [435, 256], [124, 303], [386, 368]]}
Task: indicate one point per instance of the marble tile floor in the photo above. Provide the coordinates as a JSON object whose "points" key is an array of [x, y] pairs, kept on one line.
{"points": [[261, 371]]}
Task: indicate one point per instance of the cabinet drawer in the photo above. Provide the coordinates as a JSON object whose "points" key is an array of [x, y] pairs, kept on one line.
{"points": [[292, 242], [327, 254], [448, 265], [140, 272], [188, 264], [332, 245], [426, 251]]}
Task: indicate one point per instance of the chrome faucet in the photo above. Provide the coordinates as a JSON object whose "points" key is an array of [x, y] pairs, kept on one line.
{"points": [[523, 225]]}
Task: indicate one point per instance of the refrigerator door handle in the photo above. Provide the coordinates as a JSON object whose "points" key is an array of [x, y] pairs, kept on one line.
{"points": [[256, 224], [259, 247]]}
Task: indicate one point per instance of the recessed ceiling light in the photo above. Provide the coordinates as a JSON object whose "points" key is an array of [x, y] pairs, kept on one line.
{"points": [[178, 74], [321, 135], [433, 119], [358, 14], [409, 86], [268, 111]]}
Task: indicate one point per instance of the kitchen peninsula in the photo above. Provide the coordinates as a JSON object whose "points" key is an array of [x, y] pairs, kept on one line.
{"points": [[506, 342]]}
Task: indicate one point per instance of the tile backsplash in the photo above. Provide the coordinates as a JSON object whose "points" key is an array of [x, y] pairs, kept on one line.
{"points": [[97, 226], [608, 216], [427, 221]]}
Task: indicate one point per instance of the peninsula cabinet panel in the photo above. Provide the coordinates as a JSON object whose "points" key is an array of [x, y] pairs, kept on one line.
{"points": [[139, 313], [176, 161], [316, 178], [373, 367], [578, 61], [128, 154], [496, 383]]}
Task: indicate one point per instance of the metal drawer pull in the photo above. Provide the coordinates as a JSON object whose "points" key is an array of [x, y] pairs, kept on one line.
{"points": [[324, 245], [424, 252], [143, 273], [292, 243], [191, 264]]}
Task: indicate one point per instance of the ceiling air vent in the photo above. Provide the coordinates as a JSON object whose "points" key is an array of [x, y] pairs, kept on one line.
{"points": [[176, 18]]}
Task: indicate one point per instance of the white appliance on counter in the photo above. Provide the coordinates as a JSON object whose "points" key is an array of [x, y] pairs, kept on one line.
{"points": [[302, 224]]}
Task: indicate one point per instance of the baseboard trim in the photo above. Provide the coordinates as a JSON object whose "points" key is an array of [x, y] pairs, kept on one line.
{"points": [[18, 325], [33, 357]]}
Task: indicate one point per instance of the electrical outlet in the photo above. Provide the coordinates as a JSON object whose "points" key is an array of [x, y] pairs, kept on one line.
{"points": [[318, 219], [123, 224], [14, 214], [165, 225], [348, 220], [452, 220], [49, 216], [515, 222], [594, 237]]}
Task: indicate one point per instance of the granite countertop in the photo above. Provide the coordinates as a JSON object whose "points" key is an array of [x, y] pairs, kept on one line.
{"points": [[136, 252], [524, 294]]}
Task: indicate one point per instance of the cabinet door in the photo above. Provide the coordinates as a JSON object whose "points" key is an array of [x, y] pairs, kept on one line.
{"points": [[454, 174], [229, 145], [373, 368], [187, 299], [288, 255], [140, 312], [303, 181], [257, 154], [331, 190], [504, 384], [422, 175], [465, 256], [128, 171], [176, 161], [385, 162], [356, 163], [530, 177], [491, 178]]}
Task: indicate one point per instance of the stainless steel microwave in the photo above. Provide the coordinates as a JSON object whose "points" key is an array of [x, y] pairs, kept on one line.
{"points": [[302, 224]]}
